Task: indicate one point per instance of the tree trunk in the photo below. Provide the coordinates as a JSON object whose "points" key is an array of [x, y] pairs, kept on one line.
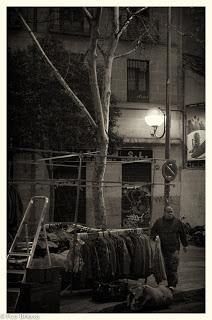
{"points": [[102, 137], [102, 106], [98, 187]]}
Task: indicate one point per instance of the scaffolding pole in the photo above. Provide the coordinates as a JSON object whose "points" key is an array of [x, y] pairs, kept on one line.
{"points": [[168, 115]]}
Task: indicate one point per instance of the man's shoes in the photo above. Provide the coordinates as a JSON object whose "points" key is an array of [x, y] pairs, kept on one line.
{"points": [[172, 288]]}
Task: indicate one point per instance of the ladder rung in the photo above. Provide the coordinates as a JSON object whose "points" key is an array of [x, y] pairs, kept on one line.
{"points": [[24, 242], [14, 284], [15, 290], [24, 247], [19, 254], [19, 249], [14, 271], [24, 250]]}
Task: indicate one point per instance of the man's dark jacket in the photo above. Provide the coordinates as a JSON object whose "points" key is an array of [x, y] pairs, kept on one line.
{"points": [[171, 232]]}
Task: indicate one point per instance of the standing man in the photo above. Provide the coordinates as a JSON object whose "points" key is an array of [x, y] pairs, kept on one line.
{"points": [[171, 232]]}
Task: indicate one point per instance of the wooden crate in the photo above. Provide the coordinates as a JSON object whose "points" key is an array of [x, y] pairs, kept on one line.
{"points": [[42, 275], [42, 293]]}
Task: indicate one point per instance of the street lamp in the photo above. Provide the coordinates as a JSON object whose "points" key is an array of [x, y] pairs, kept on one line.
{"points": [[154, 118]]}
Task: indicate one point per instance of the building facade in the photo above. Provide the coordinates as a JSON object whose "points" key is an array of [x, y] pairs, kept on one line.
{"points": [[134, 184]]}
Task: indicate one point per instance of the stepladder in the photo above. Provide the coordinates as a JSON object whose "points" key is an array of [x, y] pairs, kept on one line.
{"points": [[23, 248]]}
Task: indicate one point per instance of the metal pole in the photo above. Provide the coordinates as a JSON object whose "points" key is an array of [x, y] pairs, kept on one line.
{"points": [[78, 190], [168, 116], [70, 286]]}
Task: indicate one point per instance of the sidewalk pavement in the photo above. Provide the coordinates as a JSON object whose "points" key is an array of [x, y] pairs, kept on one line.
{"points": [[191, 271], [191, 284]]}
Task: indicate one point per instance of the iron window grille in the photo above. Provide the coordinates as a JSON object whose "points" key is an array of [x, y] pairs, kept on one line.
{"points": [[67, 20], [137, 80]]}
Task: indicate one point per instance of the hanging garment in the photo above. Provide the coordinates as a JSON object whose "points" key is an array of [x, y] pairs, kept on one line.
{"points": [[142, 241], [86, 275], [126, 260], [139, 256], [117, 247], [129, 244], [122, 257], [158, 268], [74, 262], [103, 258], [112, 255], [148, 256]]}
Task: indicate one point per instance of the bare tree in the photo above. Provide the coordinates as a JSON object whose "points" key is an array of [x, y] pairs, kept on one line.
{"points": [[104, 44], [102, 103]]}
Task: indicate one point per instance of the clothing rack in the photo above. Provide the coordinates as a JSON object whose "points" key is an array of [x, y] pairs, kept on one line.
{"points": [[130, 255], [70, 224], [82, 235], [92, 229]]}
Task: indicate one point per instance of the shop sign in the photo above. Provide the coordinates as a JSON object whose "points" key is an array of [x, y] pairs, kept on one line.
{"points": [[120, 155], [134, 154]]}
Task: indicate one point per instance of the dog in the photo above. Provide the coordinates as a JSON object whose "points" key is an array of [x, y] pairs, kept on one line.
{"points": [[143, 297]]}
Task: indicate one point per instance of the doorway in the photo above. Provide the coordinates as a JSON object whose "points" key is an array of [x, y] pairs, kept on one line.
{"points": [[66, 194], [136, 194]]}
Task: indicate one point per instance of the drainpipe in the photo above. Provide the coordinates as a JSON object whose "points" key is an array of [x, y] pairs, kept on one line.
{"points": [[168, 115]]}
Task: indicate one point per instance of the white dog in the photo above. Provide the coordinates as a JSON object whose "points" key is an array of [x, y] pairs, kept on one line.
{"points": [[146, 297]]}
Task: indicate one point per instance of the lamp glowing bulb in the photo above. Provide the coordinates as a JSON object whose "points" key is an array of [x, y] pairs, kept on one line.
{"points": [[154, 117]]}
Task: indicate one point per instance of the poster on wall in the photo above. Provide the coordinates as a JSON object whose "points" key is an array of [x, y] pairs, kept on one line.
{"points": [[195, 133], [136, 206], [136, 192]]}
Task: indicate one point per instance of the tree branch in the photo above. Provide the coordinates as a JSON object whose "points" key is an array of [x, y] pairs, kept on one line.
{"points": [[102, 51], [147, 31], [58, 76], [125, 25], [190, 35], [138, 45], [92, 62], [87, 14], [67, 70], [115, 20], [113, 42], [114, 38]]}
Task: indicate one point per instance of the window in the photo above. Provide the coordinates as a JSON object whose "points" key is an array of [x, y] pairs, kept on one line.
{"points": [[137, 80], [136, 172], [67, 20]]}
